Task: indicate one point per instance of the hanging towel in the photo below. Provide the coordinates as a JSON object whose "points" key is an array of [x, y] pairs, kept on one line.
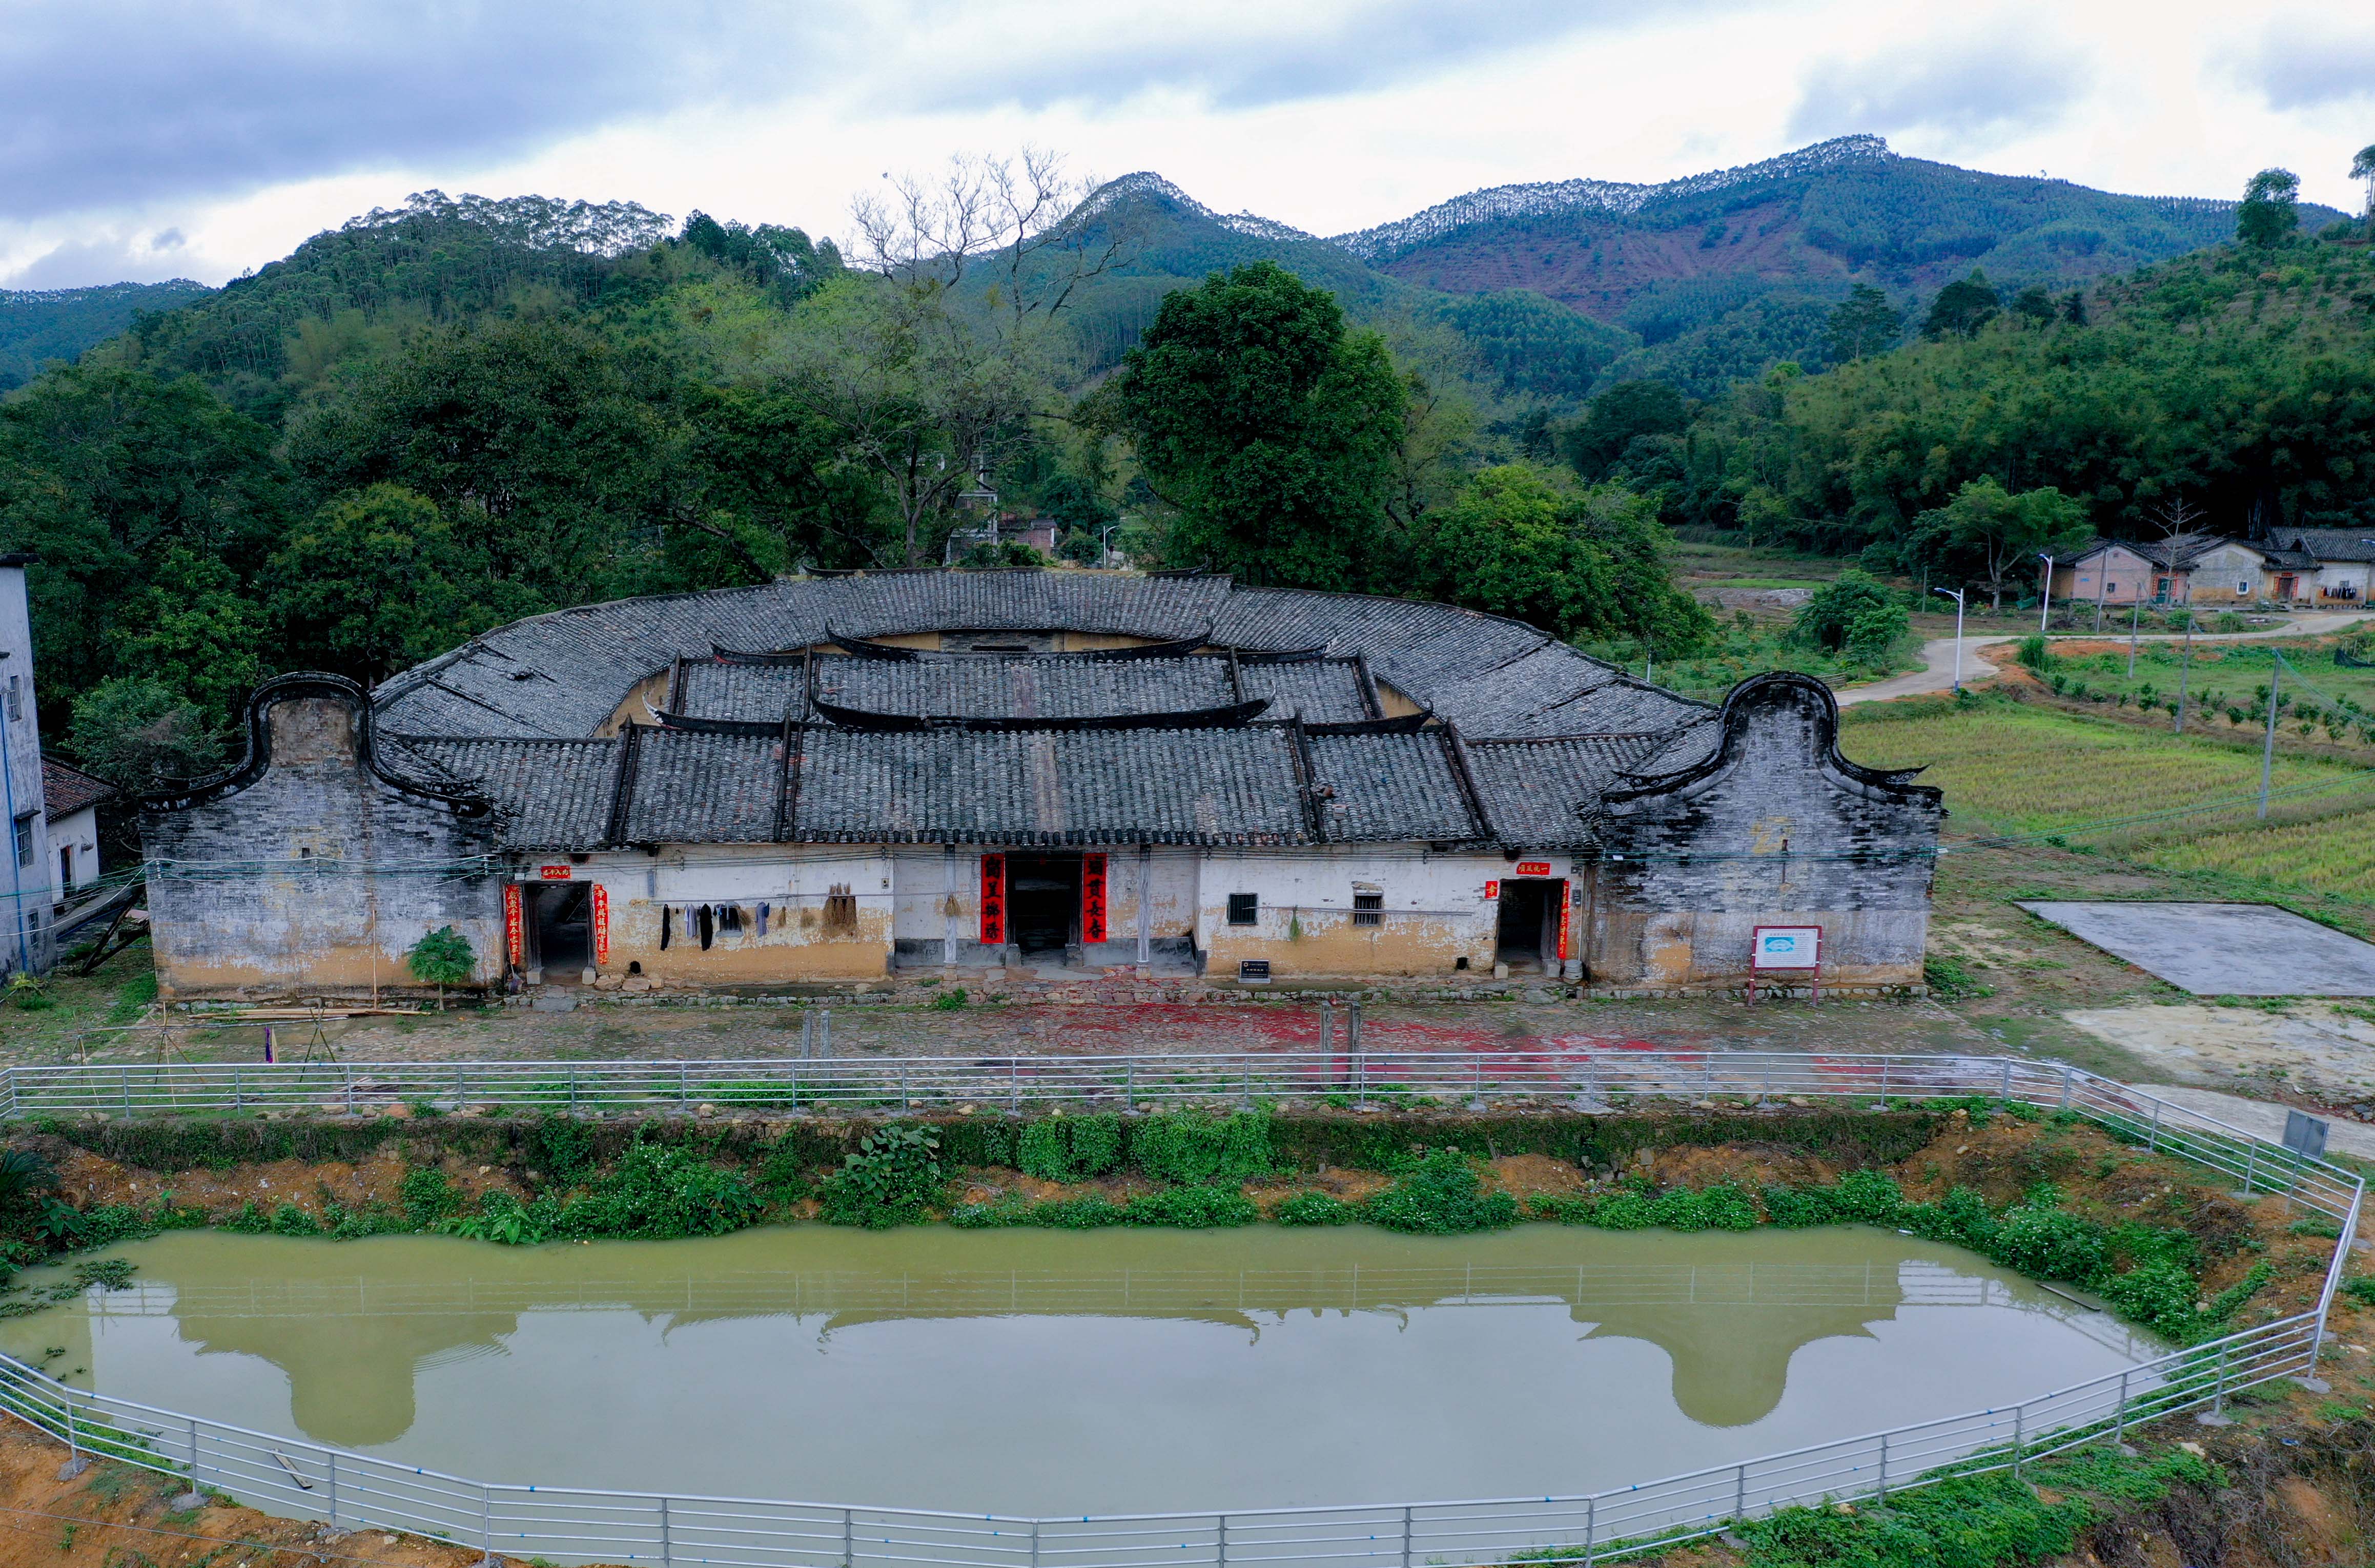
{"points": [[763, 920], [708, 928], [664, 927]]}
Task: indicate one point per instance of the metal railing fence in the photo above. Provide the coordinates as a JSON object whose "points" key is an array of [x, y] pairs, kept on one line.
{"points": [[294, 1478]]}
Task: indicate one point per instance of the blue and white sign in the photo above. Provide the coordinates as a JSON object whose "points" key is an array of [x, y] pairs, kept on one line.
{"points": [[1787, 946]]}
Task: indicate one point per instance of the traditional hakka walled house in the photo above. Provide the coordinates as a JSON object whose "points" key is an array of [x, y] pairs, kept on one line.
{"points": [[836, 779]]}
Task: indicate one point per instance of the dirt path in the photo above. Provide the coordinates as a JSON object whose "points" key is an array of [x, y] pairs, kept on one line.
{"points": [[1937, 671]]}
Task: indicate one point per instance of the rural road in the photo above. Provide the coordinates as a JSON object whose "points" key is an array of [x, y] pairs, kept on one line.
{"points": [[1937, 671]]}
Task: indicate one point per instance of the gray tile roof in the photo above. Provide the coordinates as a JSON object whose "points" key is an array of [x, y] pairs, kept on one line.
{"points": [[1025, 787], [1541, 794], [566, 673], [761, 693], [1055, 686], [704, 788], [1390, 789], [1324, 691], [2332, 544], [549, 793]]}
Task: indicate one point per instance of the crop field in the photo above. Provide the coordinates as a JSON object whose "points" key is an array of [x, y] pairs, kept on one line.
{"points": [[2006, 770], [2227, 684]]}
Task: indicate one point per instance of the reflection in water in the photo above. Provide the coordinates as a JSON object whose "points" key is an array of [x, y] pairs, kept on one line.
{"points": [[1028, 1370]]}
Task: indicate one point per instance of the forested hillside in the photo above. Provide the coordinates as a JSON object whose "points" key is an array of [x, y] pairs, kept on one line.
{"points": [[1719, 274], [2227, 390], [38, 325]]}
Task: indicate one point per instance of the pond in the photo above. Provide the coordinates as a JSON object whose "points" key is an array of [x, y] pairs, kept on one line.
{"points": [[1055, 1371]]}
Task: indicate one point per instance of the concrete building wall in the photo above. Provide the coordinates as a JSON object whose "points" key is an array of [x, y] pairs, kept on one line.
{"points": [[308, 870], [28, 865], [809, 935], [1775, 829], [1433, 910]]}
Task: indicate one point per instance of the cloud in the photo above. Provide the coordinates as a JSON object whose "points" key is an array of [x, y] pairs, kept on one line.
{"points": [[109, 259], [114, 103], [1265, 54], [1972, 89], [2302, 62]]}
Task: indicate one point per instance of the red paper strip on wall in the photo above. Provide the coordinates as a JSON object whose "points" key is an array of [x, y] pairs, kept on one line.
{"points": [[993, 900], [1093, 897], [515, 932], [600, 900]]}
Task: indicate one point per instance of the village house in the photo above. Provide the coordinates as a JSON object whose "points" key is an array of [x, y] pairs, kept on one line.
{"points": [[2298, 569], [840, 779], [71, 800]]}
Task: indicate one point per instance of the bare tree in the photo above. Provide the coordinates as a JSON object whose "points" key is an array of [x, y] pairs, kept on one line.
{"points": [[2175, 516], [942, 348]]}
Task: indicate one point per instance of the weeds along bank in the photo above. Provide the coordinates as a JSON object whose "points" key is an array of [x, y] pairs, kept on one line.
{"points": [[2161, 1242]]}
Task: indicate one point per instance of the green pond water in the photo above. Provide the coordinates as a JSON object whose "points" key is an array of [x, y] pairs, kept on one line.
{"points": [[1052, 1372]]}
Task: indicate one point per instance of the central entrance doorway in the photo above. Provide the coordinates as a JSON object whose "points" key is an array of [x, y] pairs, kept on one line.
{"points": [[560, 930], [1528, 937], [1043, 901]]}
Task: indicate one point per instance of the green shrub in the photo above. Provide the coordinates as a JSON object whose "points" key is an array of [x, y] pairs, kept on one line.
{"points": [[1317, 1208], [893, 1179], [1195, 1150], [502, 1219], [1441, 1195], [562, 1148], [290, 1221], [1796, 1208], [782, 1173], [1065, 1148], [427, 1195], [1044, 1150], [2362, 1289], [1723, 1207], [661, 1191], [1629, 1210], [950, 1001], [1096, 1144], [1867, 1195], [2049, 1244], [1192, 1209]]}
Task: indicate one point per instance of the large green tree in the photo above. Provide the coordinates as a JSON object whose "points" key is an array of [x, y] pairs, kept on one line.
{"points": [[1270, 427], [371, 583], [1998, 534], [152, 504], [1583, 561], [2267, 216]]}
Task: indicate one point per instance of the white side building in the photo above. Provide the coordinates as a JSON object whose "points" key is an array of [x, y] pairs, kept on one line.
{"points": [[27, 890]]}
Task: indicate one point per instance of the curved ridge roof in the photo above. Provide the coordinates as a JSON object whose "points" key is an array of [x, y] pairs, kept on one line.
{"points": [[563, 675]]}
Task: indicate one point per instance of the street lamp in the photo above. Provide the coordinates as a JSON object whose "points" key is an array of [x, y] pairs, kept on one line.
{"points": [[1105, 544], [2047, 609], [1957, 594]]}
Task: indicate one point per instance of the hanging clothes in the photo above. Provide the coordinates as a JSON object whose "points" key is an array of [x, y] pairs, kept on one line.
{"points": [[762, 919], [664, 927], [729, 918], [708, 928]]}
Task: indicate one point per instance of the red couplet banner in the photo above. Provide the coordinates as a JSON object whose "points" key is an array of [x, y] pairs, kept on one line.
{"points": [[993, 900], [515, 936], [599, 898], [1093, 897]]}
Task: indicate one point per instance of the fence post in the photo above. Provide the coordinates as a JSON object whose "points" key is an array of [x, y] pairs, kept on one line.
{"points": [[905, 1104], [1245, 1094], [14, 1110], [2152, 1135], [2065, 1090], [849, 1538], [330, 1463], [1590, 1531], [1129, 1092], [485, 1524], [684, 1089], [1883, 1469], [1015, 1084], [573, 1091], [1406, 1536], [123, 1076], [1221, 1554], [2004, 1090], [2119, 1419], [2218, 1390], [2250, 1166], [1034, 1543], [1740, 1494], [2018, 1411], [668, 1548], [238, 1096]]}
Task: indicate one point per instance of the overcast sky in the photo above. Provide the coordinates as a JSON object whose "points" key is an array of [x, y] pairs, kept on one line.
{"points": [[155, 138]]}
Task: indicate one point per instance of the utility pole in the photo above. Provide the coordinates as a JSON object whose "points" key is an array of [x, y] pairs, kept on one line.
{"points": [[2185, 661], [2046, 612], [2099, 567], [2268, 748], [2134, 615], [1957, 594]]}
